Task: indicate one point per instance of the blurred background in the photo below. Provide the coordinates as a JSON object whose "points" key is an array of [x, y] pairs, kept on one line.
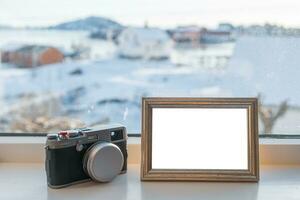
{"points": [[67, 64]]}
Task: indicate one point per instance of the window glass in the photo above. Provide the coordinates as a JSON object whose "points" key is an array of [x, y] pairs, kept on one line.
{"points": [[67, 64]]}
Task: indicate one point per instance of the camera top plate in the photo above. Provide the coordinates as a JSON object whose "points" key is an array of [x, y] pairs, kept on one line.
{"points": [[86, 135]]}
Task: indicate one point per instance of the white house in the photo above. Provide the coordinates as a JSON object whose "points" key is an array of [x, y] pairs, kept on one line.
{"points": [[145, 43]]}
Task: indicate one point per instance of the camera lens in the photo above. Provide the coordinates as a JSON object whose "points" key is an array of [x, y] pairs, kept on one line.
{"points": [[103, 161]]}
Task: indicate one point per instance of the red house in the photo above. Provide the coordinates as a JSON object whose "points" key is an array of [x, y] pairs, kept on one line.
{"points": [[31, 55]]}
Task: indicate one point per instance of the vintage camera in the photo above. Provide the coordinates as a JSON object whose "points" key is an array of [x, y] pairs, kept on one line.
{"points": [[98, 153]]}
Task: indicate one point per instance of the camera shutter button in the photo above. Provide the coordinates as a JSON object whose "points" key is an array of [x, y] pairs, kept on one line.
{"points": [[63, 134]]}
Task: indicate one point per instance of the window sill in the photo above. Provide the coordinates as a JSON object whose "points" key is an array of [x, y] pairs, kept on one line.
{"points": [[31, 149], [29, 180]]}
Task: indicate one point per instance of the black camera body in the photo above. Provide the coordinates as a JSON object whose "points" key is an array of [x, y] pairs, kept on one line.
{"points": [[79, 155]]}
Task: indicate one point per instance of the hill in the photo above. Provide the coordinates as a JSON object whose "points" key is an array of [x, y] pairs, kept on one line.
{"points": [[90, 24]]}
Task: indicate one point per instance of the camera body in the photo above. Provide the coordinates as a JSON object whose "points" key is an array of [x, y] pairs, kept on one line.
{"points": [[79, 155]]}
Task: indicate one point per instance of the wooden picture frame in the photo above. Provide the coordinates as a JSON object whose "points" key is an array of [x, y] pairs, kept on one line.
{"points": [[249, 174]]}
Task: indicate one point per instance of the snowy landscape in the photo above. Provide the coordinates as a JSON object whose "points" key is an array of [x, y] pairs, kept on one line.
{"points": [[102, 85]]}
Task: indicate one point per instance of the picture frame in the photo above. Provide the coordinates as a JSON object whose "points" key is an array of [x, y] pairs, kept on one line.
{"points": [[159, 162]]}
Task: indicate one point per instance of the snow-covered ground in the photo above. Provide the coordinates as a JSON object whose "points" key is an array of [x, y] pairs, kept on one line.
{"points": [[269, 65], [109, 88]]}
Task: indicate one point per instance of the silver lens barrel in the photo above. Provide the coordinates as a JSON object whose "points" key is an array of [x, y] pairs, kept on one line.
{"points": [[103, 161]]}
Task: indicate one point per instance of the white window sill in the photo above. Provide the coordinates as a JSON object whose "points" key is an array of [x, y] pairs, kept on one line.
{"points": [[21, 177], [31, 149], [271, 141], [28, 180]]}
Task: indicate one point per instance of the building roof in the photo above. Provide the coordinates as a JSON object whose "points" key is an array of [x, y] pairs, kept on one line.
{"points": [[24, 48], [32, 48]]}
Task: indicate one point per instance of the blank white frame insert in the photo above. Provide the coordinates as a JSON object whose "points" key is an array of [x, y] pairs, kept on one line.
{"points": [[200, 138]]}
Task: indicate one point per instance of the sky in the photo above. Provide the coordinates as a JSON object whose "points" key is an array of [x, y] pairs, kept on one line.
{"points": [[161, 13]]}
